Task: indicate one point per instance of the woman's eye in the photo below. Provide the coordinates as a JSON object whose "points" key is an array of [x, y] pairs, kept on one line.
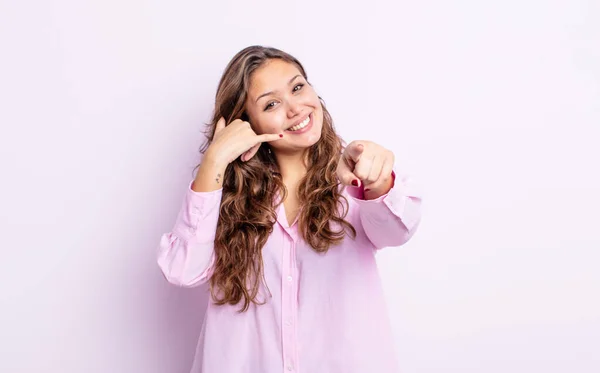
{"points": [[271, 104]]}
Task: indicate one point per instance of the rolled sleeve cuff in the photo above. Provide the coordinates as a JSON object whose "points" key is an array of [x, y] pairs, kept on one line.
{"points": [[197, 207]]}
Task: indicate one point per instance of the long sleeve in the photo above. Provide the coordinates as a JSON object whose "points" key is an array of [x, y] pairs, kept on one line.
{"points": [[186, 254], [393, 218]]}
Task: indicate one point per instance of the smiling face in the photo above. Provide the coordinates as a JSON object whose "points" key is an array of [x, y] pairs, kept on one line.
{"points": [[280, 100]]}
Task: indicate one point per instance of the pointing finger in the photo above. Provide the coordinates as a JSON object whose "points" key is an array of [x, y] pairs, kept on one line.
{"points": [[345, 175], [354, 151]]}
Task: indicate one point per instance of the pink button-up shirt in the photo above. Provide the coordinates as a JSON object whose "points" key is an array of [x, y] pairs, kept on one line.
{"points": [[324, 313]]}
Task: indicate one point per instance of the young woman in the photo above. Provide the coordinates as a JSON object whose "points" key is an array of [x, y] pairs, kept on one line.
{"points": [[283, 220]]}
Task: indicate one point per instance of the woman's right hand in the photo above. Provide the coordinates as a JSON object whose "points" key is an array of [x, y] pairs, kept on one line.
{"points": [[236, 139]]}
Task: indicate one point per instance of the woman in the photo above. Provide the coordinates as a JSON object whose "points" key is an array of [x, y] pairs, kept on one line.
{"points": [[284, 221]]}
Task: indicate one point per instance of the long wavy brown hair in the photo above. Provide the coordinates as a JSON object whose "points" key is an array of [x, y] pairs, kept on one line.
{"points": [[251, 190]]}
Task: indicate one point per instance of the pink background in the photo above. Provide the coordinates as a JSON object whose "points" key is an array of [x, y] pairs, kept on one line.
{"points": [[493, 106]]}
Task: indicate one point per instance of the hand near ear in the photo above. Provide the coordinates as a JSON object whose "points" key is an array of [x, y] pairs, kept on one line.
{"points": [[236, 139]]}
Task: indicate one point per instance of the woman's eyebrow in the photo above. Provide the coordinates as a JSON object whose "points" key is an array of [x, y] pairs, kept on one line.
{"points": [[271, 92]]}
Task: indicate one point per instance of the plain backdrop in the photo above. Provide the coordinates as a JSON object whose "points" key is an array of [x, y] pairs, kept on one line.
{"points": [[494, 106]]}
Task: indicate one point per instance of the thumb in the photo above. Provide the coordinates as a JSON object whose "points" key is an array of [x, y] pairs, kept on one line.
{"points": [[345, 175]]}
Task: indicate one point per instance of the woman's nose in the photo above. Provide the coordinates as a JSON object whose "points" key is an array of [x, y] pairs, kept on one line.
{"points": [[294, 108]]}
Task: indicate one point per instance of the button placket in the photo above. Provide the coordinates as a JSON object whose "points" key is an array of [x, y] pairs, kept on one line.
{"points": [[288, 312], [294, 305]]}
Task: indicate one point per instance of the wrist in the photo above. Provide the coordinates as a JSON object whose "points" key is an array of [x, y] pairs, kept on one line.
{"points": [[210, 175]]}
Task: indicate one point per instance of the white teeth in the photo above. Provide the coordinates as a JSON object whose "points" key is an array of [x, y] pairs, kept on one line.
{"points": [[301, 125]]}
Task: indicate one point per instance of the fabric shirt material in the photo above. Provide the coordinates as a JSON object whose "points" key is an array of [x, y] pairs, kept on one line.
{"points": [[323, 313]]}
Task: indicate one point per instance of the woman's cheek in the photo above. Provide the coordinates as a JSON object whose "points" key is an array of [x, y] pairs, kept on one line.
{"points": [[271, 123]]}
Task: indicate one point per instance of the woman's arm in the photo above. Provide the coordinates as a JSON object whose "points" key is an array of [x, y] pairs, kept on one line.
{"points": [[392, 218], [186, 254], [390, 206]]}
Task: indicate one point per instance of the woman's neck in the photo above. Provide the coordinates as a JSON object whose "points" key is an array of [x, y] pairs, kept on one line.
{"points": [[292, 166]]}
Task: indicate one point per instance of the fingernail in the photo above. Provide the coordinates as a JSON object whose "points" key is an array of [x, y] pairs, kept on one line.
{"points": [[355, 182], [366, 190], [281, 135]]}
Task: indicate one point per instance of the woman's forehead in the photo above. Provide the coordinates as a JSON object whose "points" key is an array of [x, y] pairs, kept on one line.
{"points": [[273, 75]]}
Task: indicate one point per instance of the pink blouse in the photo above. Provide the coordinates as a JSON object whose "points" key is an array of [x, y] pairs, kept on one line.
{"points": [[324, 313]]}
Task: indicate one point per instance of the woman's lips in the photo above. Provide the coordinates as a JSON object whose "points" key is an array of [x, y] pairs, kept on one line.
{"points": [[305, 129]]}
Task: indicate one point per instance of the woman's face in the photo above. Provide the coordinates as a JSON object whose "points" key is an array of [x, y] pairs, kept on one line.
{"points": [[280, 100]]}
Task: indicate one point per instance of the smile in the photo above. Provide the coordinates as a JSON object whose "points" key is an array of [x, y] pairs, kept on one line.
{"points": [[302, 126]]}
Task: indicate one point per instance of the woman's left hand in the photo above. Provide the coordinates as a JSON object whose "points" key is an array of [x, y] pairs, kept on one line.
{"points": [[367, 163]]}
